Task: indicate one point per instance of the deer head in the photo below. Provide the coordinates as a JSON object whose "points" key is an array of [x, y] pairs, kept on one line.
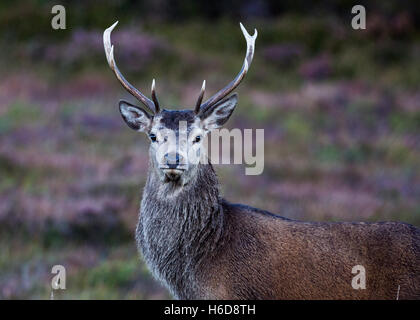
{"points": [[177, 136]]}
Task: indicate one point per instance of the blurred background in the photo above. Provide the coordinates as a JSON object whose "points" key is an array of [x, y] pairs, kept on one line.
{"points": [[340, 109]]}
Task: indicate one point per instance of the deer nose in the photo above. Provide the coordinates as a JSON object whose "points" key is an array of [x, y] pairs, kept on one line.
{"points": [[173, 159]]}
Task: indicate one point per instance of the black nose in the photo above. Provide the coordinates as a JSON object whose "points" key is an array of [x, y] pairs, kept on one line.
{"points": [[173, 159]]}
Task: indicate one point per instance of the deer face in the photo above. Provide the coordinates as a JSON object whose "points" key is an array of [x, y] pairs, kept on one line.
{"points": [[177, 136]]}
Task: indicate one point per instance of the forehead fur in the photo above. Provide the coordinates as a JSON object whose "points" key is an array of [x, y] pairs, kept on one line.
{"points": [[170, 118]]}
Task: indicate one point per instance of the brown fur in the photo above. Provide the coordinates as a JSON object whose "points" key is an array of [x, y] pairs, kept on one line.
{"points": [[283, 259]]}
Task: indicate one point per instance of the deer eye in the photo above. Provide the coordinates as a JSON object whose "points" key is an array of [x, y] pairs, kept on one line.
{"points": [[197, 139], [152, 137]]}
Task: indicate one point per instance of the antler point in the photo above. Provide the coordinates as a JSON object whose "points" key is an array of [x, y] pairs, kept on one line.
{"points": [[111, 27]]}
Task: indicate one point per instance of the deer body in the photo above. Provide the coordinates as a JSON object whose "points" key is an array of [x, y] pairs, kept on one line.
{"points": [[203, 247]]}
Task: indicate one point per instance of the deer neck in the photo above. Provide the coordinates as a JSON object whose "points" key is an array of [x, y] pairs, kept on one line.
{"points": [[178, 232]]}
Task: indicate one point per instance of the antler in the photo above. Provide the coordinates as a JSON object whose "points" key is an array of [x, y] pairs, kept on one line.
{"points": [[109, 52], [250, 48], [200, 97], [154, 97]]}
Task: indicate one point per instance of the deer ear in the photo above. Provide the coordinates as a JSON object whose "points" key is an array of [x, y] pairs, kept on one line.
{"points": [[220, 113], [135, 117]]}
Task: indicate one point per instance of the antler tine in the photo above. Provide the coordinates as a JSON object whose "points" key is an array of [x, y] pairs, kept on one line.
{"points": [[200, 97], [250, 49], [154, 97], [109, 52]]}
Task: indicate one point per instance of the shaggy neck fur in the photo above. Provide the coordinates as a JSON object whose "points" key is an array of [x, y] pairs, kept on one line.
{"points": [[180, 229]]}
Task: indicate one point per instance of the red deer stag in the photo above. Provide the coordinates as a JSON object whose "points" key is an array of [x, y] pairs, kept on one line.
{"points": [[200, 246]]}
